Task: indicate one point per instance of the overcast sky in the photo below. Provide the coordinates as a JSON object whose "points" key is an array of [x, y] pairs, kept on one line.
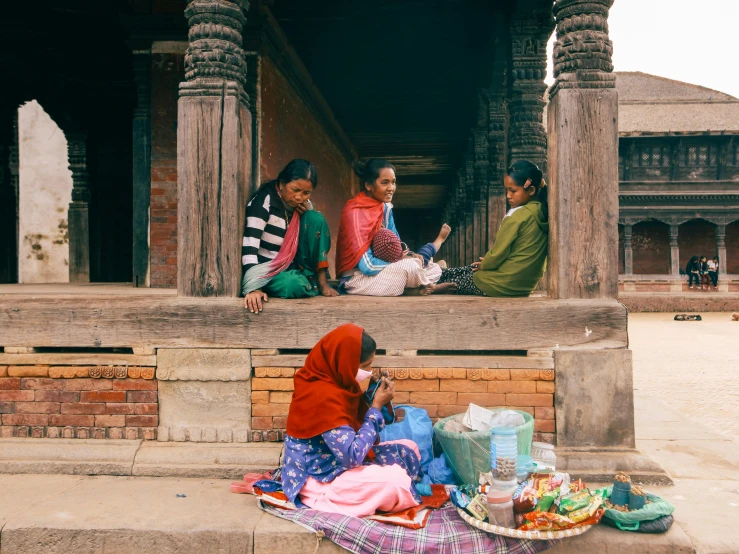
{"points": [[686, 40]]}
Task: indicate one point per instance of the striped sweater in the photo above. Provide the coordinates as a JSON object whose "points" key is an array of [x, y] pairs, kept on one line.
{"points": [[264, 229]]}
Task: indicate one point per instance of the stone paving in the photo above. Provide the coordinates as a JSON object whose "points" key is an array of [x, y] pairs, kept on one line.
{"points": [[692, 366]]}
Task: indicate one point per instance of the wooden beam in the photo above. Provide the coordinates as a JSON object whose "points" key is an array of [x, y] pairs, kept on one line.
{"points": [[488, 362], [63, 358], [430, 323]]}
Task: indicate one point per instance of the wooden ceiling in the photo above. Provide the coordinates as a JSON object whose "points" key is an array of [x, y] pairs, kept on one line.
{"points": [[401, 76]]}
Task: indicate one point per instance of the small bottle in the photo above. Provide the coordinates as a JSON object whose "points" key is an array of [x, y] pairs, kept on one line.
{"points": [[500, 508]]}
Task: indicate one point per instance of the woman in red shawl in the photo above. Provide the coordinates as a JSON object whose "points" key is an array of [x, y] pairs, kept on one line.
{"points": [[333, 461], [359, 270]]}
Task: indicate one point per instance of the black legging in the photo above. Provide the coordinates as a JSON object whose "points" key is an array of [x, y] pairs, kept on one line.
{"points": [[694, 277], [714, 278], [463, 277]]}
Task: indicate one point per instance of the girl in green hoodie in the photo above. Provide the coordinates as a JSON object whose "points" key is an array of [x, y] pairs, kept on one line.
{"points": [[517, 260]]}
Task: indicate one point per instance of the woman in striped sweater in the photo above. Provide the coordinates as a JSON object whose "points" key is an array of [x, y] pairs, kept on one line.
{"points": [[286, 243]]}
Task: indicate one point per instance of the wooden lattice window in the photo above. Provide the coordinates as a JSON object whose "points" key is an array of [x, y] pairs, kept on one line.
{"points": [[655, 155], [698, 155]]}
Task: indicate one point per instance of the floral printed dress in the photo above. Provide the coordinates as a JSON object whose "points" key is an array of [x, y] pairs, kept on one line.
{"points": [[329, 455]]}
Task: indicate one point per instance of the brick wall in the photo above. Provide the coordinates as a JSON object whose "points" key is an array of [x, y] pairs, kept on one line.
{"points": [[289, 130], [84, 402], [441, 391], [732, 248], [696, 238], [167, 71], [651, 248]]}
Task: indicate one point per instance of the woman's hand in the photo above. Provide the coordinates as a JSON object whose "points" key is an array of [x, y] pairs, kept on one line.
{"points": [[302, 208], [476, 265], [254, 300], [385, 393]]}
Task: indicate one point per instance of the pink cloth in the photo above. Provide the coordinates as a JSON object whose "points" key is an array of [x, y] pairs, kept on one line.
{"points": [[364, 490]]}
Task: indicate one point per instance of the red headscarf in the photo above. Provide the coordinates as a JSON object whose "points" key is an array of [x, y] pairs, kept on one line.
{"points": [[360, 221], [327, 394]]}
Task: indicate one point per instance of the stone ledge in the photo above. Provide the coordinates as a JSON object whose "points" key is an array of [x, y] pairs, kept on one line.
{"points": [[599, 466], [215, 461], [136, 457], [90, 515], [68, 456]]}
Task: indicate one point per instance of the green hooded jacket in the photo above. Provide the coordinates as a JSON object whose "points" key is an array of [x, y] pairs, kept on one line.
{"points": [[518, 258]]}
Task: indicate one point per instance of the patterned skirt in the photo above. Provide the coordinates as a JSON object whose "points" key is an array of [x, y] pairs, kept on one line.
{"points": [[408, 273]]}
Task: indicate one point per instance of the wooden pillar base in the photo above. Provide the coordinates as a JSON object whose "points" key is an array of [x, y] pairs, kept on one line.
{"points": [[213, 176], [583, 170]]}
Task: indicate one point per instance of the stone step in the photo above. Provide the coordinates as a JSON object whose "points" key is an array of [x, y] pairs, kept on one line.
{"points": [[57, 514], [136, 457]]}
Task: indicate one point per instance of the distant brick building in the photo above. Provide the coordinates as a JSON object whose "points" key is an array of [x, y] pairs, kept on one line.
{"points": [[678, 181]]}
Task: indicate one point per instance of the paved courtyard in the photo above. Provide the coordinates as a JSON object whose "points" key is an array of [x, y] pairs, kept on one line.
{"points": [[692, 366]]}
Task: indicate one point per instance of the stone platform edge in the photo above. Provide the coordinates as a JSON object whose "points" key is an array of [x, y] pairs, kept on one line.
{"points": [[136, 458]]}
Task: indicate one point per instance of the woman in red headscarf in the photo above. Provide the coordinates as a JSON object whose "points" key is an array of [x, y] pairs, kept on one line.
{"points": [[358, 266], [333, 461]]}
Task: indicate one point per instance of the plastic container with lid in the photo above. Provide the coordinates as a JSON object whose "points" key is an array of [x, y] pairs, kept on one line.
{"points": [[500, 508], [543, 455], [524, 467], [503, 457]]}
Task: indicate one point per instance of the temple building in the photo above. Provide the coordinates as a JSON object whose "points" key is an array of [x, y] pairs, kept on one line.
{"points": [[678, 182], [174, 111]]}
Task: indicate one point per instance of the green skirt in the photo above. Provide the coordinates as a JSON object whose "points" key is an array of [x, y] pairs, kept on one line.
{"points": [[314, 243]]}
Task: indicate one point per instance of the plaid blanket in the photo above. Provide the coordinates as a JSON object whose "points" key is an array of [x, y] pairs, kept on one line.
{"points": [[445, 533]]}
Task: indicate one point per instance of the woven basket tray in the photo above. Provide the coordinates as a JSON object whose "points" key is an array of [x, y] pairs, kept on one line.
{"points": [[516, 534]]}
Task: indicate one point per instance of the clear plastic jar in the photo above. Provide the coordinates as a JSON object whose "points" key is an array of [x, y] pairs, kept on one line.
{"points": [[500, 508], [503, 455]]}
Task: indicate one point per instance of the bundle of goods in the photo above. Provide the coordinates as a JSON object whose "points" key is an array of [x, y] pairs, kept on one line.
{"points": [[541, 506], [631, 508], [465, 439]]}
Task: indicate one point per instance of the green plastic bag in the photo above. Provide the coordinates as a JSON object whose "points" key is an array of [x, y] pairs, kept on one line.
{"points": [[629, 521]]}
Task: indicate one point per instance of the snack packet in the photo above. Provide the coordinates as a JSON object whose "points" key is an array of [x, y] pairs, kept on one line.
{"points": [[545, 521], [547, 501], [524, 499], [582, 514], [478, 507], [574, 501]]}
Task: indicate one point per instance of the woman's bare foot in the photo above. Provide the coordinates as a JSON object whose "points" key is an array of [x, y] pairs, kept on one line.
{"points": [[444, 288], [443, 234]]}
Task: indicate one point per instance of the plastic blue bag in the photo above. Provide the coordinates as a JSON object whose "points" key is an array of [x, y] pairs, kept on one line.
{"points": [[416, 426], [440, 473]]}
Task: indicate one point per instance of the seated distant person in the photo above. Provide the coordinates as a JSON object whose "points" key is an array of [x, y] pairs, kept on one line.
{"points": [[517, 261], [286, 243], [713, 272]]}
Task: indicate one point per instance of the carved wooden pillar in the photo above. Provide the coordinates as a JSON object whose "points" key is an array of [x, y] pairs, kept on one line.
{"points": [[481, 168], [628, 252], [462, 216], [213, 151], [583, 155], [674, 249], [79, 209], [527, 139], [9, 195], [721, 247], [497, 157], [141, 167], [469, 210]]}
